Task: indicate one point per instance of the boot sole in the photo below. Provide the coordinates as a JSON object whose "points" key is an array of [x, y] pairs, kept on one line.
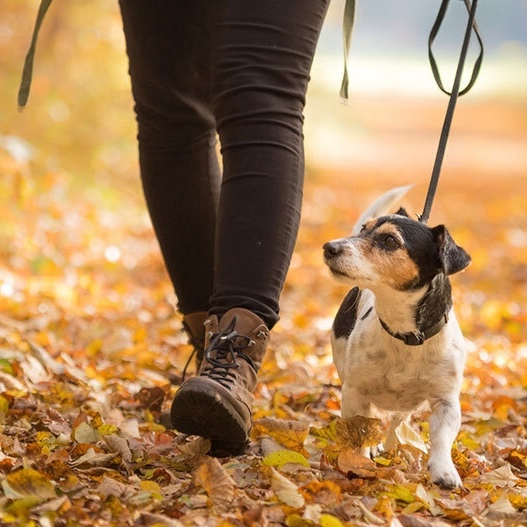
{"points": [[204, 413]]}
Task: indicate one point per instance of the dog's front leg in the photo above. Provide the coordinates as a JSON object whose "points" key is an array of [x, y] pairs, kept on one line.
{"points": [[445, 421]]}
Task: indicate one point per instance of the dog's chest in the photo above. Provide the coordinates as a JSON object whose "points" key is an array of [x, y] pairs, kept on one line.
{"points": [[392, 376], [389, 379]]}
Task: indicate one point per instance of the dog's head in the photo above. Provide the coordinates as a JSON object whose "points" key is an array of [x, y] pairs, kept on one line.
{"points": [[395, 251]]}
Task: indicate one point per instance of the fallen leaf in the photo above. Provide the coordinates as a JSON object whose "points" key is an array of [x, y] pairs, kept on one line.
{"points": [[151, 398], [279, 458], [406, 435], [355, 465], [500, 477], [286, 490], [85, 433], [216, 482], [401, 493], [321, 492], [28, 483], [111, 487], [359, 431], [502, 508], [290, 434], [119, 445], [94, 459], [328, 520]]}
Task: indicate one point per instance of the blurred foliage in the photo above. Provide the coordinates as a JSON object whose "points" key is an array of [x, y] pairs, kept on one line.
{"points": [[80, 98]]}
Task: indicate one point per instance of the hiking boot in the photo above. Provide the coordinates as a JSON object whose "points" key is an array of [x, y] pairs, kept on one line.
{"points": [[217, 403], [194, 326]]}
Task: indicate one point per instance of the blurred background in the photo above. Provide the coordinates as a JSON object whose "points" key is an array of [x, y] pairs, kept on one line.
{"points": [[80, 96], [389, 67], [74, 224]]}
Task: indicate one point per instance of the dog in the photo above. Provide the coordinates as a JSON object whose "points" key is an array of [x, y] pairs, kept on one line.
{"points": [[396, 341]]}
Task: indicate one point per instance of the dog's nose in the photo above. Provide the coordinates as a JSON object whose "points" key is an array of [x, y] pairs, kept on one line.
{"points": [[332, 249]]}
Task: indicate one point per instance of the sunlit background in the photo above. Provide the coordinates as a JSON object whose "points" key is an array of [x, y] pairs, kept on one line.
{"points": [[80, 95], [394, 94]]}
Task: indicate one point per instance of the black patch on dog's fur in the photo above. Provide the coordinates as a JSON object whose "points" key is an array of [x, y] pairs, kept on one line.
{"points": [[433, 250], [421, 245], [347, 314], [436, 302]]}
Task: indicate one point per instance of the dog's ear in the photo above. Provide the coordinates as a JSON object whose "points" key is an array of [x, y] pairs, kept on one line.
{"points": [[402, 212], [453, 257]]}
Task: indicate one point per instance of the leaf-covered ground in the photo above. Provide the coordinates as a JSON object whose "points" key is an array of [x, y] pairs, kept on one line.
{"points": [[91, 346]]}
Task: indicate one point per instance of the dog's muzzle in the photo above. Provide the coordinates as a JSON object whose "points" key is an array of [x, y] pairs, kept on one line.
{"points": [[332, 250]]}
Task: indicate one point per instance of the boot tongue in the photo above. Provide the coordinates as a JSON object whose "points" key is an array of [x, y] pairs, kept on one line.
{"points": [[246, 321]]}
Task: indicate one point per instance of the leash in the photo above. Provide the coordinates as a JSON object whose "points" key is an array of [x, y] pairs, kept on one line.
{"points": [[454, 94], [27, 72]]}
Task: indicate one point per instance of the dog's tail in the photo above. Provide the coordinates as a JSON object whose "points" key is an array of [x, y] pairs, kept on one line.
{"points": [[381, 206]]}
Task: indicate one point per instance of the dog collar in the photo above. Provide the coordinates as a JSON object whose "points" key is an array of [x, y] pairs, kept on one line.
{"points": [[418, 338]]}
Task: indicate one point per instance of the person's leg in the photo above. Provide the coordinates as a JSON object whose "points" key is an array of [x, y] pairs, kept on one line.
{"points": [[168, 44], [262, 56]]}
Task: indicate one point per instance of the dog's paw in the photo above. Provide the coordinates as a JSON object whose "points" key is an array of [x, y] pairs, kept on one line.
{"points": [[444, 474]]}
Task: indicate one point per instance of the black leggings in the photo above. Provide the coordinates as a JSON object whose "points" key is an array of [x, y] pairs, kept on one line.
{"points": [[236, 69]]}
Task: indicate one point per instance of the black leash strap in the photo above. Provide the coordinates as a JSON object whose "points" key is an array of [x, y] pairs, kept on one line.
{"points": [[347, 29], [27, 73], [471, 25]]}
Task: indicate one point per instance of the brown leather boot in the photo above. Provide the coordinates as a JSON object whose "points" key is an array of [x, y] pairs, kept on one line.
{"points": [[194, 326], [217, 403]]}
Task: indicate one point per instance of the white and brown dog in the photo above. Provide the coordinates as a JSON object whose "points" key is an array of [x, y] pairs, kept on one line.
{"points": [[396, 341]]}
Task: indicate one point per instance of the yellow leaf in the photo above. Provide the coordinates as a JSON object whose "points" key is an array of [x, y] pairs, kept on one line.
{"points": [[328, 432], [328, 520], [27, 483], [216, 482], [286, 491], [401, 493], [153, 488], [4, 408], [21, 506], [107, 429], [279, 458], [518, 501], [468, 440], [290, 434], [150, 486]]}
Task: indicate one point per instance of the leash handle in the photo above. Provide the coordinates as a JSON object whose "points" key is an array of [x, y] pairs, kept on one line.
{"points": [[433, 64], [453, 96]]}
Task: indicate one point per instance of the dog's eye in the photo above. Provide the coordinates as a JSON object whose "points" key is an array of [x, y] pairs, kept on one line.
{"points": [[363, 228], [391, 242]]}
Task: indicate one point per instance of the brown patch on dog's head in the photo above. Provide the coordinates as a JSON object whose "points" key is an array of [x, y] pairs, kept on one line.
{"points": [[385, 248]]}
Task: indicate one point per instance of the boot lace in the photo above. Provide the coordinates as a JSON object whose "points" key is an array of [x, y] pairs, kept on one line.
{"points": [[222, 355]]}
